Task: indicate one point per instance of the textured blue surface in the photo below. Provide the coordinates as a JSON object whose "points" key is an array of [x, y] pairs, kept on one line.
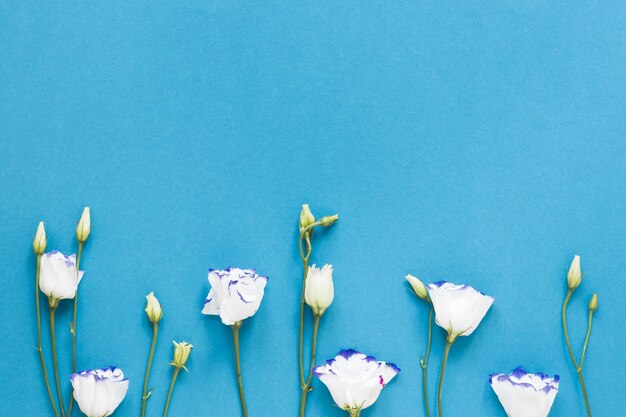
{"points": [[480, 143]]}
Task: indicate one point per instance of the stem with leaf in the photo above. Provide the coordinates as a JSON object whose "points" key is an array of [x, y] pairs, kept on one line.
{"points": [[304, 255], [146, 394], [307, 386], [424, 363]]}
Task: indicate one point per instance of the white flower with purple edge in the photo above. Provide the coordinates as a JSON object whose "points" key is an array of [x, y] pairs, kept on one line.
{"points": [[98, 392], [523, 394], [235, 294], [57, 277], [354, 379], [459, 309]]}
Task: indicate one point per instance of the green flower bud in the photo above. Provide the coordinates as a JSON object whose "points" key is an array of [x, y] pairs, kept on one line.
{"points": [[84, 226], [153, 309], [574, 276], [329, 220], [593, 303], [40, 240], [418, 286], [181, 353], [306, 217]]}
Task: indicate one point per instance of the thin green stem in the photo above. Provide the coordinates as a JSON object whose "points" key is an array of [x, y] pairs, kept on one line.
{"points": [[589, 324], [305, 264], [145, 396], [582, 385], [169, 393], [577, 366], [54, 359], [565, 332], [242, 398], [307, 386], [39, 344], [73, 326], [443, 371], [424, 363]]}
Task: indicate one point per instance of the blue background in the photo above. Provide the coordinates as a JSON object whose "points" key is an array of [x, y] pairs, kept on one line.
{"points": [[480, 143]]}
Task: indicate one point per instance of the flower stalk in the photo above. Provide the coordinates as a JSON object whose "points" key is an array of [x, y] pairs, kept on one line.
{"points": [[446, 351], [182, 350], [307, 386], [578, 366], [73, 325], [169, 392], [424, 362], [39, 341], [146, 394], [306, 225], [83, 230], [53, 305], [242, 397]]}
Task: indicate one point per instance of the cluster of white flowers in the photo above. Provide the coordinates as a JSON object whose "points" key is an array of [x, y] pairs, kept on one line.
{"points": [[354, 380]]}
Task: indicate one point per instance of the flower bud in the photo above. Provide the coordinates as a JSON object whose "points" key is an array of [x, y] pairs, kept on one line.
{"points": [[84, 226], [319, 290], [329, 220], [153, 309], [181, 353], [593, 303], [418, 286], [573, 276], [40, 240], [306, 217]]}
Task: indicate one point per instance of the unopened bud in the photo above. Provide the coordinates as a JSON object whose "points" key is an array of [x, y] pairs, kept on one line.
{"points": [[593, 303], [418, 286], [574, 276], [40, 240], [84, 226], [329, 220], [306, 217], [153, 309], [181, 353]]}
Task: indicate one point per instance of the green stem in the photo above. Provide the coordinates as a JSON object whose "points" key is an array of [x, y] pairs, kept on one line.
{"points": [[305, 263], [169, 393], [443, 371], [565, 332], [589, 324], [73, 326], [307, 386], [579, 368], [54, 359], [242, 399], [39, 344], [145, 396], [582, 385], [424, 363]]}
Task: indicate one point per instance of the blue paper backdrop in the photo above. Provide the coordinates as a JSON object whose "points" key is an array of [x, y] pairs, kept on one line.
{"points": [[480, 143]]}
